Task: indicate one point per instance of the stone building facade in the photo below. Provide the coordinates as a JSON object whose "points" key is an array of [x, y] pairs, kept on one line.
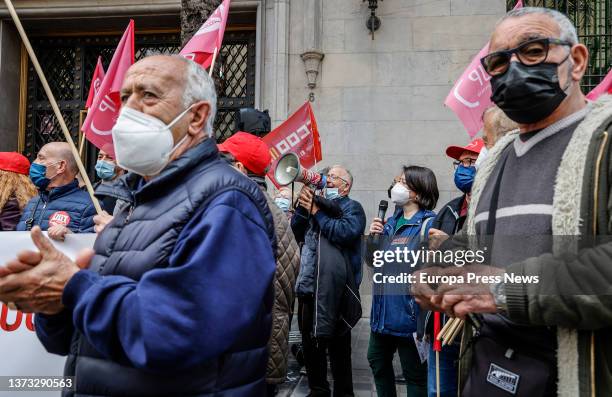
{"points": [[378, 102]]}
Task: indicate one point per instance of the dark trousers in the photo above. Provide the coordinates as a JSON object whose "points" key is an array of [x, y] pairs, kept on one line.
{"points": [[316, 351], [381, 350]]}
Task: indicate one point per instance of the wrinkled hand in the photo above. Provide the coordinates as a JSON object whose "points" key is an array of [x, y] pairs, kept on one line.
{"points": [[458, 300], [461, 305], [429, 296], [58, 232], [436, 238], [101, 221], [35, 281], [377, 226], [424, 292], [306, 200]]}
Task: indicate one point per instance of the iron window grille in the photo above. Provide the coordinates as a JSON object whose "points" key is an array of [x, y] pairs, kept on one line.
{"points": [[593, 21], [69, 63]]}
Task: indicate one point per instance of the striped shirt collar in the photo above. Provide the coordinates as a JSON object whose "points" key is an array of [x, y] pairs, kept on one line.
{"points": [[521, 147]]}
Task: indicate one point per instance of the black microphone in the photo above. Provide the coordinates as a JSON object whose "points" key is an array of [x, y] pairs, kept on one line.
{"points": [[382, 210]]}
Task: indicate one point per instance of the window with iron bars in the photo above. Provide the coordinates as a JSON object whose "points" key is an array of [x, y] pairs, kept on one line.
{"points": [[593, 21], [69, 62]]}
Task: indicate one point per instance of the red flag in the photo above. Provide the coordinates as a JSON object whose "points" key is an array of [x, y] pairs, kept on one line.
{"points": [[437, 345], [208, 38], [105, 107], [96, 82], [604, 87], [299, 135], [471, 94]]}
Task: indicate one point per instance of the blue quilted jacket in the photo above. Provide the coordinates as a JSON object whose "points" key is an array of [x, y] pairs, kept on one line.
{"points": [[67, 205]]}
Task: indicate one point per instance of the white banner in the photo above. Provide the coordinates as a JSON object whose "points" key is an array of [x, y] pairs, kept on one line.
{"points": [[22, 353]]}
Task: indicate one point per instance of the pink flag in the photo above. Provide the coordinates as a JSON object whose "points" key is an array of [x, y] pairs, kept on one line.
{"points": [[604, 87], [471, 94], [96, 82], [203, 44], [106, 104]]}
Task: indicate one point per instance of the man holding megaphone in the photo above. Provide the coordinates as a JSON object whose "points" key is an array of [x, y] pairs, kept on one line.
{"points": [[330, 262]]}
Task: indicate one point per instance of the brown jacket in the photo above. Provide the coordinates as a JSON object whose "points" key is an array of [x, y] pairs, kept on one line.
{"points": [[9, 215], [287, 267]]}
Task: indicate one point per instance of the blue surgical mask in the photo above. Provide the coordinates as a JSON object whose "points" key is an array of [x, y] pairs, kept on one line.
{"points": [[105, 170], [464, 178], [331, 193], [38, 175], [283, 203]]}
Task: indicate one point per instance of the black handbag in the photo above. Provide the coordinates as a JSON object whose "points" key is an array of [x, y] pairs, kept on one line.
{"points": [[509, 359]]}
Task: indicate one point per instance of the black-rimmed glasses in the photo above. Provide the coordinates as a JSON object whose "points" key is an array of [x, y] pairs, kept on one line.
{"points": [[530, 53], [465, 162]]}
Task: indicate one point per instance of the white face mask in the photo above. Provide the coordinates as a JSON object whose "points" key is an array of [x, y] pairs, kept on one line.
{"points": [[399, 194], [143, 143], [484, 152]]}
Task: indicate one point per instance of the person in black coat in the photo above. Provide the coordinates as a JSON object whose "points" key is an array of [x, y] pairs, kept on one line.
{"points": [[108, 171], [451, 217], [341, 243], [449, 221]]}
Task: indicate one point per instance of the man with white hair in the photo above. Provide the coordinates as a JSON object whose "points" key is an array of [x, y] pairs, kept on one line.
{"points": [[330, 267], [540, 202], [176, 297]]}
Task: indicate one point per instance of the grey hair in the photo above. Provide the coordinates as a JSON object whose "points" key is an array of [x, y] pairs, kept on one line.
{"points": [[500, 123], [348, 173], [199, 86], [566, 27]]}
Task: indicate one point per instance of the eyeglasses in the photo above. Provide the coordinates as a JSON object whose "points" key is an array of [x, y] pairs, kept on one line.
{"points": [[467, 162], [335, 178], [530, 53]]}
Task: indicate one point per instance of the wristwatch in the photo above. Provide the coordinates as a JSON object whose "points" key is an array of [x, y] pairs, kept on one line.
{"points": [[499, 295]]}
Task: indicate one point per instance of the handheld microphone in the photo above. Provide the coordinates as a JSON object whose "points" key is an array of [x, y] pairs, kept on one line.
{"points": [[382, 210]]}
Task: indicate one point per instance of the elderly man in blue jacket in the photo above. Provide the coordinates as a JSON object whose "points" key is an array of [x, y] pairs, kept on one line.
{"points": [[61, 207], [344, 232], [176, 299]]}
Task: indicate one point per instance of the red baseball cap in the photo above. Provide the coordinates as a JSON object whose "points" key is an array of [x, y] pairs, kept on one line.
{"points": [[456, 151], [250, 150], [14, 162]]}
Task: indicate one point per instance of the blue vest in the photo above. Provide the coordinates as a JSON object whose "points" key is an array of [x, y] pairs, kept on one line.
{"points": [[141, 238], [67, 205]]}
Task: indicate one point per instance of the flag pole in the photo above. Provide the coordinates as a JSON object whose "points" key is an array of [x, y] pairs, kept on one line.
{"points": [[56, 109], [437, 373], [82, 144], [437, 346], [212, 65]]}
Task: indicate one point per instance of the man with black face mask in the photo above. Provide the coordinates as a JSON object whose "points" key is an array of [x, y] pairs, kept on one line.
{"points": [[550, 337]]}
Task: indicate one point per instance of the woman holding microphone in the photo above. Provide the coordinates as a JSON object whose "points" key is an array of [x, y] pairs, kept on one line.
{"points": [[394, 312]]}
